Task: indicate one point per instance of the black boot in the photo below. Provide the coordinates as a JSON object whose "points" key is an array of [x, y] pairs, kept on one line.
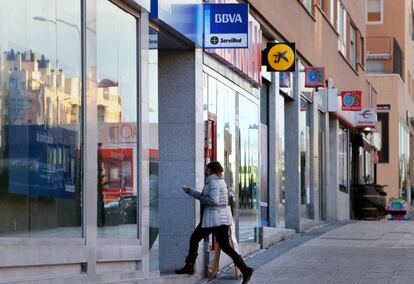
{"points": [[189, 264], [245, 270]]}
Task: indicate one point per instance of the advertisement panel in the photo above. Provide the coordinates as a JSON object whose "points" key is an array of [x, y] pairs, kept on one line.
{"points": [[351, 100], [246, 62], [367, 117], [43, 161], [226, 25], [315, 77]]}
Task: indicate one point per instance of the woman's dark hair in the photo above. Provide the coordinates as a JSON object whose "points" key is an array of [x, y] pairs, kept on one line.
{"points": [[215, 167]]}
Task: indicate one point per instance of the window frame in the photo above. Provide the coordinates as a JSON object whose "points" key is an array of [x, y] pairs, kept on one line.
{"points": [[381, 13], [353, 45], [341, 26]]}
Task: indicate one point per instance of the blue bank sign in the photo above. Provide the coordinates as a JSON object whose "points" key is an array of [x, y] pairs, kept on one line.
{"points": [[226, 25]]}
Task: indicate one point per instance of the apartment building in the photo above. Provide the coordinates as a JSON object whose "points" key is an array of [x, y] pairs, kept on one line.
{"points": [[96, 144], [390, 49]]}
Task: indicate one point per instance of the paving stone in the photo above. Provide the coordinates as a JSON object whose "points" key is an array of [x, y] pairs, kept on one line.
{"points": [[358, 252]]}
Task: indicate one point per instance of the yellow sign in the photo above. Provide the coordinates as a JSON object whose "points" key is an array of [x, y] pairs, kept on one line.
{"points": [[280, 57]]}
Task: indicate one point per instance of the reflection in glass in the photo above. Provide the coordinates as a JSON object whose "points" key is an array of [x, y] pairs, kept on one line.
{"points": [[40, 71], [343, 157], [249, 169], [304, 136], [280, 157], [404, 161], [117, 122], [153, 151], [226, 139], [321, 165]]}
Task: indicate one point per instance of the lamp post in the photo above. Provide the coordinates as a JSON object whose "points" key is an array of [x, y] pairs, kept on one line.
{"points": [[43, 19]]}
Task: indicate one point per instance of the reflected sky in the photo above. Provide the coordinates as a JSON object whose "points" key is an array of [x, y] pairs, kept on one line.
{"points": [[117, 53], [20, 31], [56, 34]]}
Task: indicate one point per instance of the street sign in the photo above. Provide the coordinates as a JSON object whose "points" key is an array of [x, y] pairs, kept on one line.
{"points": [[351, 100], [384, 107], [315, 77], [367, 117], [226, 25], [280, 57]]}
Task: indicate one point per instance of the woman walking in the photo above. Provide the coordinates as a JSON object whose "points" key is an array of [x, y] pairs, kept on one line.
{"points": [[215, 219]]}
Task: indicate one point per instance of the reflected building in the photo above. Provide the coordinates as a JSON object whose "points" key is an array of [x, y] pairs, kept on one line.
{"points": [[36, 93]]}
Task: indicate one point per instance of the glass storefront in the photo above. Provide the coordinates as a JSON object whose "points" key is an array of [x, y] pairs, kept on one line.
{"points": [[117, 113], [321, 165], [280, 157], [343, 159], [153, 151], [404, 160], [306, 102], [304, 140], [222, 106], [40, 119], [248, 169]]}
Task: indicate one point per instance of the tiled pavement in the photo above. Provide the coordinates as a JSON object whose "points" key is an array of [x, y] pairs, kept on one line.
{"points": [[359, 252]]}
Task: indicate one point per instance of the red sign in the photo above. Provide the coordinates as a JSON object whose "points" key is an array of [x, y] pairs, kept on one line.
{"points": [[351, 100], [315, 77]]}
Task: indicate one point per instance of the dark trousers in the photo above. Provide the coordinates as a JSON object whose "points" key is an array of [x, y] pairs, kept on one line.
{"points": [[222, 236]]}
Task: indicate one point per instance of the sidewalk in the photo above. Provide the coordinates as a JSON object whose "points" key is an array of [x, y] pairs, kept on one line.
{"points": [[358, 252]]}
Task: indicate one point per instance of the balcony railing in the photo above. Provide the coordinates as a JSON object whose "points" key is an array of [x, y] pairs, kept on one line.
{"points": [[384, 56]]}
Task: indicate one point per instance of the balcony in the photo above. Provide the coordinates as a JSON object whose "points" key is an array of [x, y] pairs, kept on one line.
{"points": [[384, 56]]}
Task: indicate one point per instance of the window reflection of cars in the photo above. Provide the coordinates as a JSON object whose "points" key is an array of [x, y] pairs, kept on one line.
{"points": [[121, 211]]}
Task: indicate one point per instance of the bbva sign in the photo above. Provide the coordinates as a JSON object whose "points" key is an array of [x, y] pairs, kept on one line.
{"points": [[228, 18]]}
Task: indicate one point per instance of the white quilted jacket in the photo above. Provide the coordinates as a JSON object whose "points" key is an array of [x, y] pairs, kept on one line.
{"points": [[214, 197]]}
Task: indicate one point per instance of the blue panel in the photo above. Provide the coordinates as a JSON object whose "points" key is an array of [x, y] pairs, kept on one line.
{"points": [[229, 18], [42, 161], [154, 10], [184, 16]]}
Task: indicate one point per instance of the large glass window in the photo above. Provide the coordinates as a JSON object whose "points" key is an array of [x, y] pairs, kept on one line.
{"points": [[117, 121], [404, 160], [249, 168], [280, 157], [304, 136], [226, 132], [321, 165], [343, 157], [40, 91], [153, 151]]}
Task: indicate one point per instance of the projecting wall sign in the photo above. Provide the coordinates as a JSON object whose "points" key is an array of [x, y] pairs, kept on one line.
{"points": [[280, 57], [226, 25], [351, 100], [315, 77]]}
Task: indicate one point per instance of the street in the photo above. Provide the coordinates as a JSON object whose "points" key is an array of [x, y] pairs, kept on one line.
{"points": [[358, 252]]}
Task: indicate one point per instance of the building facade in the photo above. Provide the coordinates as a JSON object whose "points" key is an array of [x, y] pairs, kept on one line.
{"points": [[109, 107], [389, 55]]}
